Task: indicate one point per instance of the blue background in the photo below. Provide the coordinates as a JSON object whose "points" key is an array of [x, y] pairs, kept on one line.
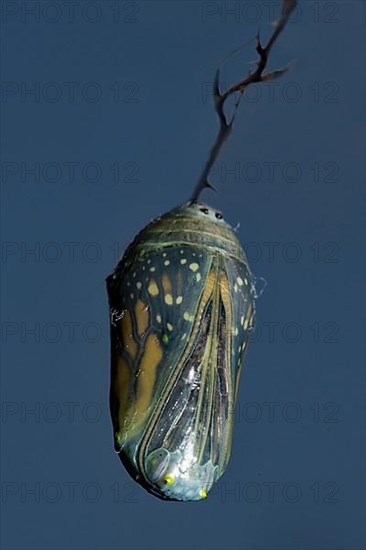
{"points": [[296, 476]]}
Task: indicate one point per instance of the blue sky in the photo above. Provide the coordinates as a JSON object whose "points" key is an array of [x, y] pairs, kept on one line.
{"points": [[106, 123]]}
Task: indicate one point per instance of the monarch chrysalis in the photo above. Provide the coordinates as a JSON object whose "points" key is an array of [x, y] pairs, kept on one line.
{"points": [[181, 308]]}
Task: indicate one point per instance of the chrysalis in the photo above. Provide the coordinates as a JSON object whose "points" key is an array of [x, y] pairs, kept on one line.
{"points": [[181, 308]]}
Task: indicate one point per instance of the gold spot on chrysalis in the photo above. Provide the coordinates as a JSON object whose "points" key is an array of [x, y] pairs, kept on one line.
{"points": [[187, 316], [167, 286], [168, 299], [194, 266], [153, 288]]}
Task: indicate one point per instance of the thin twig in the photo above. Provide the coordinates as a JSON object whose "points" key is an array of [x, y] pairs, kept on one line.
{"points": [[254, 77]]}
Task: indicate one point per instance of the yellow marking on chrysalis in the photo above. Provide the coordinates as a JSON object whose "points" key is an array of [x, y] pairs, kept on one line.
{"points": [[236, 287], [127, 336], [210, 284], [169, 326], [167, 286], [183, 261], [168, 299], [147, 374], [235, 331], [138, 285], [179, 300], [194, 266], [224, 289], [168, 480], [198, 277], [239, 280], [226, 299], [153, 288], [242, 320], [121, 387], [142, 317], [203, 493], [187, 316], [167, 262], [158, 318], [152, 268]]}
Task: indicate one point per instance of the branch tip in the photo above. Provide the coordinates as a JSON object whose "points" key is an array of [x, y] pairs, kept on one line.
{"points": [[256, 76]]}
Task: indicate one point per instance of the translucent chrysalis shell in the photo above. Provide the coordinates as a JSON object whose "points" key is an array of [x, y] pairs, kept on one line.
{"points": [[181, 308]]}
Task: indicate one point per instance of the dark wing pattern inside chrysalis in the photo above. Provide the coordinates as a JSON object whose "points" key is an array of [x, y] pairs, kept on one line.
{"points": [[152, 305], [180, 319]]}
